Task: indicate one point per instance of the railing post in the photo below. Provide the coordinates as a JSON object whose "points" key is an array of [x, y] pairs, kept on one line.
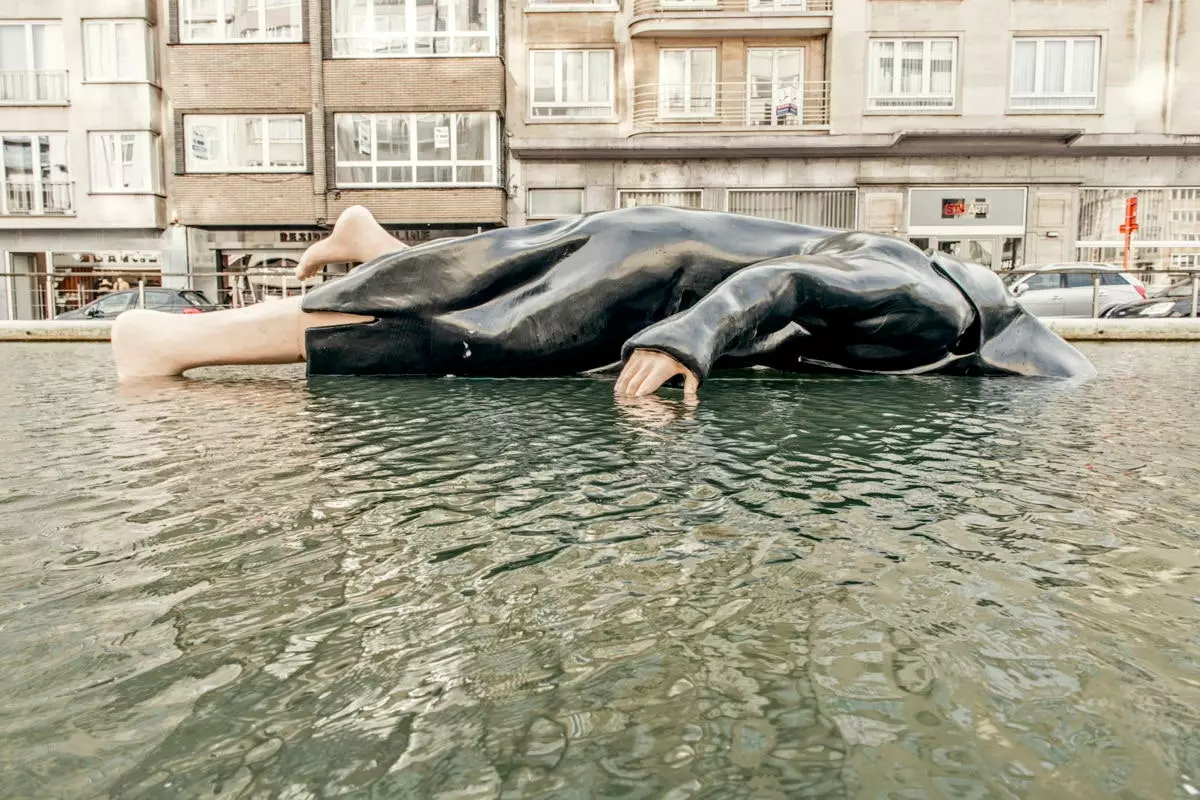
{"points": [[1095, 294], [1195, 290], [141, 292]]}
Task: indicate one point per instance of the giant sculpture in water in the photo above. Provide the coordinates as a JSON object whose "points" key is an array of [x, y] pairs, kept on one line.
{"points": [[659, 292]]}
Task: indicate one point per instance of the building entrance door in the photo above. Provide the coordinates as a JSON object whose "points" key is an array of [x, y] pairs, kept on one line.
{"points": [[998, 253], [29, 292]]}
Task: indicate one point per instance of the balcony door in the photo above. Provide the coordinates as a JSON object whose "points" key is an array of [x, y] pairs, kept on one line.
{"points": [[36, 177], [775, 87], [687, 82]]}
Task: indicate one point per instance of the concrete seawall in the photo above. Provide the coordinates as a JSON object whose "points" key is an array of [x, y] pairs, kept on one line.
{"points": [[1071, 329]]}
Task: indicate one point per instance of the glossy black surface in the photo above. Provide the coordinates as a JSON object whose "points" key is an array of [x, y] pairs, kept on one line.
{"points": [[710, 289]]}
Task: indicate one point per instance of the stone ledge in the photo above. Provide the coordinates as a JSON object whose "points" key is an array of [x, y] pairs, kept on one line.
{"points": [[1125, 330], [55, 331]]}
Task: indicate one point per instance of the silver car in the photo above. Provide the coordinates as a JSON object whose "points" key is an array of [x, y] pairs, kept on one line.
{"points": [[1065, 290]]}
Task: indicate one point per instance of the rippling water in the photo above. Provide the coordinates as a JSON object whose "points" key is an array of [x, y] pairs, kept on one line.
{"points": [[252, 585]]}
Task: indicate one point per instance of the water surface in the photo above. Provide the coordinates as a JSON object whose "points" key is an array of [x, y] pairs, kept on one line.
{"points": [[252, 585]]}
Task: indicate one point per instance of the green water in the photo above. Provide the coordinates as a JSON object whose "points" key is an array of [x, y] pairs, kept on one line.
{"points": [[248, 585]]}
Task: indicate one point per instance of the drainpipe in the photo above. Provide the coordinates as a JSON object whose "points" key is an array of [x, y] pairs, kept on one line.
{"points": [[1172, 47], [1137, 54]]}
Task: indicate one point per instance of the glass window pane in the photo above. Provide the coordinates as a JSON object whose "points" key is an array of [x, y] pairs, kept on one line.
{"points": [[394, 175], [555, 202], [352, 134], [1054, 66], [941, 67], [245, 142], [673, 67], [884, 74], [1025, 67], [13, 56], [472, 174], [1083, 66], [243, 19], [572, 76], [48, 51], [391, 138], [435, 174], [599, 77], [433, 137], [349, 175], [912, 56], [474, 137]]}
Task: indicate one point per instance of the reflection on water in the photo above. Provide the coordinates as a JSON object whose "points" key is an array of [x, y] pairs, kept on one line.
{"points": [[250, 585]]}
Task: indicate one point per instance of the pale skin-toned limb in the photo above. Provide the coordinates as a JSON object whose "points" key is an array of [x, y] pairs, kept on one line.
{"points": [[153, 344]]}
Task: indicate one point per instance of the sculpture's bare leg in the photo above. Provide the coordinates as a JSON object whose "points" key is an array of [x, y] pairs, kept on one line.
{"points": [[356, 236], [150, 344]]}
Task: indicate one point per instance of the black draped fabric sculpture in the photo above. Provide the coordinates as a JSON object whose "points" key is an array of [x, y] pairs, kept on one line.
{"points": [[708, 289]]}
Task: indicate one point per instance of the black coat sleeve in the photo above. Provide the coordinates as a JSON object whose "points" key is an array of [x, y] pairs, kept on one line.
{"points": [[745, 311]]}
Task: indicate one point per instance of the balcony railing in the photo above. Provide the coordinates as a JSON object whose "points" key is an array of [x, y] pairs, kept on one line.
{"points": [[38, 199], [758, 107], [18, 87], [649, 8]]}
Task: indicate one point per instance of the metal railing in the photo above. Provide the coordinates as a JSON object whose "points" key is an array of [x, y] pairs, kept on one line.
{"points": [[33, 86], [44, 198], [41, 295], [1164, 286], [745, 105], [655, 8]]}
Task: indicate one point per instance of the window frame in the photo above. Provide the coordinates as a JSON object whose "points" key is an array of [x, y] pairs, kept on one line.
{"points": [[413, 162], [1039, 75], [529, 211], [153, 150], [711, 111], [149, 70], [560, 86], [29, 69], [38, 182], [410, 34], [184, 11], [224, 168], [912, 98]]}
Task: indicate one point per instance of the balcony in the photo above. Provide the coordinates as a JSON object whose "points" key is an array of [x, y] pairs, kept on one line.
{"points": [[33, 87], [697, 18], [51, 198], [761, 108]]}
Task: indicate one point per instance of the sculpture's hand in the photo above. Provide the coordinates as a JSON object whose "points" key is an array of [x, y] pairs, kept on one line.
{"points": [[647, 370]]}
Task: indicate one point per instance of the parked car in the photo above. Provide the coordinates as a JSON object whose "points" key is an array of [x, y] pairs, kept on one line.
{"points": [[176, 301], [1173, 301], [1065, 290]]}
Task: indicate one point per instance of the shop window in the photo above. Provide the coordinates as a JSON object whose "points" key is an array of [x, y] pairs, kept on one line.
{"points": [[245, 143], [125, 162], [677, 198], [417, 149], [32, 63], [1055, 73], [117, 50], [912, 74], [413, 28], [571, 83], [554, 203], [828, 208], [240, 20]]}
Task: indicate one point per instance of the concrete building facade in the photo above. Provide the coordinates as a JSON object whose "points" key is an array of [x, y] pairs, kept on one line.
{"points": [[82, 188], [1009, 132]]}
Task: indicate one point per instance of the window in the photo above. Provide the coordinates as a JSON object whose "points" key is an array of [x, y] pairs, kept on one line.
{"points": [[37, 178], [417, 149], [827, 208], [1045, 280], [245, 143], [554, 203], [405, 28], [678, 198], [117, 50], [1055, 73], [776, 86], [912, 74], [240, 20], [571, 83], [560, 5], [125, 162], [688, 82], [32, 63], [114, 303]]}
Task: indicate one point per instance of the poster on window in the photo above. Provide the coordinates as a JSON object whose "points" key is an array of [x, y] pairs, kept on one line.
{"points": [[441, 138]]}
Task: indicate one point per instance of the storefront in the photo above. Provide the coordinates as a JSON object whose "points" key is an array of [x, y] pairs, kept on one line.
{"points": [[242, 267], [985, 225], [46, 273]]}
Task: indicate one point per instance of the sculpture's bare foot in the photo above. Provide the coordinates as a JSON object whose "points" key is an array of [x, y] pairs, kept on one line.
{"points": [[143, 344], [356, 236]]}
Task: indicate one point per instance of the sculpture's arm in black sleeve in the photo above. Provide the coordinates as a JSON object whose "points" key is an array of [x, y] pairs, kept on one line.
{"points": [[745, 309]]}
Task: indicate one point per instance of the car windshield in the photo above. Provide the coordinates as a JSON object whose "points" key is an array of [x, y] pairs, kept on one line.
{"points": [[195, 298]]}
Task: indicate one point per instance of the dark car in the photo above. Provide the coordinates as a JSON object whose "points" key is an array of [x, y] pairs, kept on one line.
{"points": [[176, 301], [1174, 301]]}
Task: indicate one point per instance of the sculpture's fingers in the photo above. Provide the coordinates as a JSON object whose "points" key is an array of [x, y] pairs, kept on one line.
{"points": [[631, 375], [691, 385], [659, 373]]}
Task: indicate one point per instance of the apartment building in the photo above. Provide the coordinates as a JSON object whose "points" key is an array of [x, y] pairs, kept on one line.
{"points": [[286, 112], [81, 125], [1004, 131]]}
